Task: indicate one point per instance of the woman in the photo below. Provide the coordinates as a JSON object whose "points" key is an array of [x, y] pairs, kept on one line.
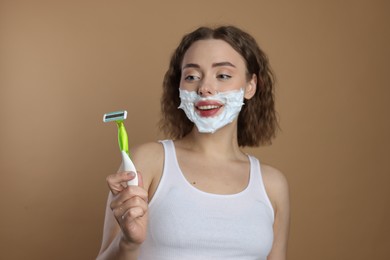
{"points": [[200, 196]]}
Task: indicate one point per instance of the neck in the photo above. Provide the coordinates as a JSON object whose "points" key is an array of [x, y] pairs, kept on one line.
{"points": [[222, 144]]}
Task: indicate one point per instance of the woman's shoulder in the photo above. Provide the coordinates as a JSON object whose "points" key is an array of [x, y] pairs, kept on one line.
{"points": [[146, 153], [153, 146], [273, 175], [148, 158], [276, 184]]}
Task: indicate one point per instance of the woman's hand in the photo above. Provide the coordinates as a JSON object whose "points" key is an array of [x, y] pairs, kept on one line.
{"points": [[129, 205]]}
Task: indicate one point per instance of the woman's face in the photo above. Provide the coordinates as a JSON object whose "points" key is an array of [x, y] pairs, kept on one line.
{"points": [[212, 66], [213, 84]]}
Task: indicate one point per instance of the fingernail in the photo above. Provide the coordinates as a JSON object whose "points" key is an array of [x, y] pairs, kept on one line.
{"points": [[131, 174]]}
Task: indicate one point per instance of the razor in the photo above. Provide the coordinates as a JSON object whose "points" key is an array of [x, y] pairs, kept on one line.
{"points": [[127, 164]]}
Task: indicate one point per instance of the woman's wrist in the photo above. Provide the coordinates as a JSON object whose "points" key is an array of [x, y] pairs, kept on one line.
{"points": [[126, 245]]}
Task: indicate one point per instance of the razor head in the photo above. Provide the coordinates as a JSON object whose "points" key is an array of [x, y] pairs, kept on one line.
{"points": [[115, 116]]}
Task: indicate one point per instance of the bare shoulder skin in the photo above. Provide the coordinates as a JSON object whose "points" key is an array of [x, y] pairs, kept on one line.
{"points": [[277, 189], [149, 160]]}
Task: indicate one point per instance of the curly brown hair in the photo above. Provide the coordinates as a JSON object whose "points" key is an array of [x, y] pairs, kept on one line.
{"points": [[257, 121]]}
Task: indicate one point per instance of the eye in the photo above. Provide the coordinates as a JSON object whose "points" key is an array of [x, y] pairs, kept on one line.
{"points": [[191, 78], [224, 76]]}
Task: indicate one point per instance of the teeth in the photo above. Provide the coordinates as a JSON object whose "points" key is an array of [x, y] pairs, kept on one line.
{"points": [[209, 107]]}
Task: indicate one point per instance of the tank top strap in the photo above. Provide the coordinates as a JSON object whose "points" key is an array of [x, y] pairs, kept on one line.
{"points": [[256, 184], [170, 159], [170, 177], [169, 149]]}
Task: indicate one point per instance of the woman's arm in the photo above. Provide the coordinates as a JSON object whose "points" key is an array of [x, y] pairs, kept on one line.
{"points": [[126, 210], [278, 192], [125, 219]]}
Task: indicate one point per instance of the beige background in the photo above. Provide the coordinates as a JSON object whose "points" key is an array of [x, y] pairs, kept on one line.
{"points": [[63, 64]]}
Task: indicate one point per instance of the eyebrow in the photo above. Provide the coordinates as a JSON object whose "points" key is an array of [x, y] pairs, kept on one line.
{"points": [[221, 64], [191, 65], [217, 64]]}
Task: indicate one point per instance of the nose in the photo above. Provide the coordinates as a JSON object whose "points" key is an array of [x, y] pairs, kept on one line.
{"points": [[204, 91], [206, 88]]}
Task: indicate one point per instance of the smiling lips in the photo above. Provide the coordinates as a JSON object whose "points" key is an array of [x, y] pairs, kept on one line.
{"points": [[208, 108]]}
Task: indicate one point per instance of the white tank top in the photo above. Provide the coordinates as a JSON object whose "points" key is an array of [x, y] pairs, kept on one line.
{"points": [[186, 223]]}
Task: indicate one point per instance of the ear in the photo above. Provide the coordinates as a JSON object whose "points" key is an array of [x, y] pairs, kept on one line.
{"points": [[250, 88]]}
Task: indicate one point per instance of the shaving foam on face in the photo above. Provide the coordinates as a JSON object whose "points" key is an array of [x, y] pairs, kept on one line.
{"points": [[232, 102]]}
